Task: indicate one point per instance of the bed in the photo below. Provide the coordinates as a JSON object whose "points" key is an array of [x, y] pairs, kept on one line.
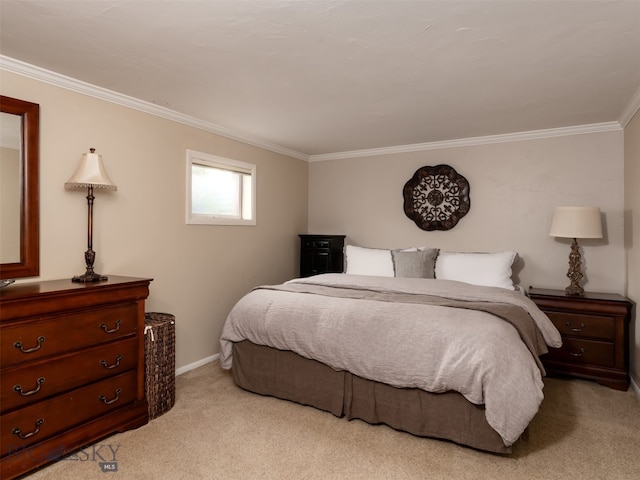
{"points": [[434, 357]]}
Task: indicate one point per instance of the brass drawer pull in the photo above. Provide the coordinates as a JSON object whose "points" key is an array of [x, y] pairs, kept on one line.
{"points": [[574, 329], [113, 330], [104, 400], [18, 432], [19, 346], [578, 354], [110, 367], [18, 388]]}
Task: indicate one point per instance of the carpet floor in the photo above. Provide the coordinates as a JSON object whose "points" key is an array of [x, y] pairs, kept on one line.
{"points": [[217, 431]]}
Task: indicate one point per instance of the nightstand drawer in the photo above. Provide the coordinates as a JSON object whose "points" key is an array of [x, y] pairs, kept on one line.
{"points": [[584, 326], [310, 244], [28, 384], [578, 351], [35, 423], [37, 339]]}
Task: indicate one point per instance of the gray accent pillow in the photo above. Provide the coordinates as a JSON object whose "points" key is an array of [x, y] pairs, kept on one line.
{"points": [[414, 263]]}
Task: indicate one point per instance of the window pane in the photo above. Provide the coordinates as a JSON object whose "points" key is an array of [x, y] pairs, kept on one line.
{"points": [[220, 191], [215, 191]]}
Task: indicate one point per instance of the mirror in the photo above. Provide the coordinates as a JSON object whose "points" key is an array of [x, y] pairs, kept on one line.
{"points": [[19, 199]]}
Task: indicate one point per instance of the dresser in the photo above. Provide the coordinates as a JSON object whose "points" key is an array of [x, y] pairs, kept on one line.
{"points": [[595, 335], [72, 367], [321, 254]]}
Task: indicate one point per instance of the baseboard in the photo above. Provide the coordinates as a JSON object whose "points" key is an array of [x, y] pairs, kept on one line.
{"points": [[199, 363], [635, 388]]}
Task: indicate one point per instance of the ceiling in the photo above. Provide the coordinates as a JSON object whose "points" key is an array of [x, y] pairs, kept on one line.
{"points": [[325, 76]]}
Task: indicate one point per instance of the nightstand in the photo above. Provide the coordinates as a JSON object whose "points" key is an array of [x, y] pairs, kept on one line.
{"points": [[321, 254], [595, 335]]}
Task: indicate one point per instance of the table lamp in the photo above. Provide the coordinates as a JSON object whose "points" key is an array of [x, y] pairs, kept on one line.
{"points": [[90, 174], [576, 222]]}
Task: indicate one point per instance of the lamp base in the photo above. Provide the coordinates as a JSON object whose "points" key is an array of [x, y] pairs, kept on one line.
{"points": [[89, 257], [89, 277], [575, 271], [574, 291]]}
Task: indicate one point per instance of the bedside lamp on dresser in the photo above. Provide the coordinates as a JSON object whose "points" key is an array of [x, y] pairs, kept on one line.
{"points": [[594, 326], [576, 222]]}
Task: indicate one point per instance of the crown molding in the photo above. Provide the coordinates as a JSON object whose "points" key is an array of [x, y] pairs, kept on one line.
{"points": [[16, 66], [21, 68], [631, 109], [472, 141]]}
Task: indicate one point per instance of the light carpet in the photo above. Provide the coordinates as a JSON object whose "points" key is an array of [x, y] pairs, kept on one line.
{"points": [[218, 431]]}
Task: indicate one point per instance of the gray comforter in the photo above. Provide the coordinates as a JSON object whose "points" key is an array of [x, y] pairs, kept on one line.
{"points": [[435, 335]]}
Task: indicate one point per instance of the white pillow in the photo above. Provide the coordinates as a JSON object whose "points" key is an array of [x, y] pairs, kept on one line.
{"points": [[488, 269], [368, 261]]}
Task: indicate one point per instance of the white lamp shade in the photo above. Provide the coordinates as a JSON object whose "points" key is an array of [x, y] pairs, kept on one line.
{"points": [[576, 222], [90, 173]]}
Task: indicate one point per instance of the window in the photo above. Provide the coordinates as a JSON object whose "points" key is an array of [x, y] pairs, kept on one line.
{"points": [[220, 191]]}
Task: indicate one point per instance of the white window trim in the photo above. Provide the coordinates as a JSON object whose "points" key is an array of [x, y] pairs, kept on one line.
{"points": [[224, 163]]}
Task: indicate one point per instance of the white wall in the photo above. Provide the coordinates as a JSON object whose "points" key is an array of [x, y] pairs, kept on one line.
{"points": [[199, 271], [514, 187]]}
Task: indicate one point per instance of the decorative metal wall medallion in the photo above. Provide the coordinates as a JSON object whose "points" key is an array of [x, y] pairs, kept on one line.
{"points": [[436, 198]]}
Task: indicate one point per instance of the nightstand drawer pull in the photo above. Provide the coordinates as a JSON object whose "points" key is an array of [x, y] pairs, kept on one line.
{"points": [[19, 346], [18, 432], [113, 330], [18, 388], [578, 354], [104, 400], [110, 367], [574, 329]]}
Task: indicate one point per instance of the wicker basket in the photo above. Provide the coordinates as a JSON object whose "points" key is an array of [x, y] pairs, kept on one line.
{"points": [[160, 362]]}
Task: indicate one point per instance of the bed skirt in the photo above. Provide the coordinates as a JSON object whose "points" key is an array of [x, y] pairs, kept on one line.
{"points": [[289, 376]]}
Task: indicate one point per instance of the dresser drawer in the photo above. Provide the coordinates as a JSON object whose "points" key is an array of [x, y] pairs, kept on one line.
{"points": [[24, 385], [40, 338], [584, 326], [24, 427], [579, 351]]}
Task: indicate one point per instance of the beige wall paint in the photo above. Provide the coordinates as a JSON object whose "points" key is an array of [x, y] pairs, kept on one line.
{"points": [[199, 271], [514, 188], [632, 232]]}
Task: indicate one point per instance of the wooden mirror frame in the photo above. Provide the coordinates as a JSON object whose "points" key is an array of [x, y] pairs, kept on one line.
{"points": [[29, 264]]}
